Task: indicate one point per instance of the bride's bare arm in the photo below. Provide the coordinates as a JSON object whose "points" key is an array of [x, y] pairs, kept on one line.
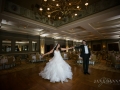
{"points": [[48, 53], [66, 48]]}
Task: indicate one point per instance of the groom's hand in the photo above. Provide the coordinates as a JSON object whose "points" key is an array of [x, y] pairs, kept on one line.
{"points": [[72, 47]]}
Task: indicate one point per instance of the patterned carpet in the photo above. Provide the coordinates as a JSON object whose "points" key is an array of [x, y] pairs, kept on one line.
{"points": [[101, 65]]}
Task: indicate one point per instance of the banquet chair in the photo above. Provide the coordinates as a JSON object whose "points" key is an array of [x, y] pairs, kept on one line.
{"points": [[65, 56], [98, 58], [30, 59], [93, 59], [18, 60], [75, 58], [1, 66], [37, 58], [108, 60], [114, 62], [10, 63]]}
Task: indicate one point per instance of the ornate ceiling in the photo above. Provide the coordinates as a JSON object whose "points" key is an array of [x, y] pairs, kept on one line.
{"points": [[94, 24]]}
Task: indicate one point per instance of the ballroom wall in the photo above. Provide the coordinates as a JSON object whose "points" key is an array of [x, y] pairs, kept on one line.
{"points": [[96, 45]]}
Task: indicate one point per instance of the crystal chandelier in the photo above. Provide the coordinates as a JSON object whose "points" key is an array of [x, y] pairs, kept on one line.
{"points": [[58, 9]]}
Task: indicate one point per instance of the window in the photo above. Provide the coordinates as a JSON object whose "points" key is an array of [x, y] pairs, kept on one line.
{"points": [[97, 47], [6, 46], [22, 45], [34, 45], [113, 47]]}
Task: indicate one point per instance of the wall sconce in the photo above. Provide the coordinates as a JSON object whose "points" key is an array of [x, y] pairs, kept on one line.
{"points": [[89, 46], [104, 46], [42, 49]]}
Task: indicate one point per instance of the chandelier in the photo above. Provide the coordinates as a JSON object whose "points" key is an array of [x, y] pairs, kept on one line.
{"points": [[59, 9]]}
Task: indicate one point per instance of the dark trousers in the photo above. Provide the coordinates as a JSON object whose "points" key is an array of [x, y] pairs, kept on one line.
{"points": [[85, 63]]}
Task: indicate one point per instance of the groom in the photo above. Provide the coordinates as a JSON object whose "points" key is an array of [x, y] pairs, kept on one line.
{"points": [[85, 54]]}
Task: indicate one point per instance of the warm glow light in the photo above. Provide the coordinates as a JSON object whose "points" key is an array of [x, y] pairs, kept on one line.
{"points": [[43, 35], [57, 4], [59, 17], [75, 14], [69, 3], [48, 8], [42, 49], [42, 44], [55, 33], [89, 46], [78, 6], [86, 4], [56, 9], [39, 29], [48, 15], [57, 37], [40, 9], [103, 46]]}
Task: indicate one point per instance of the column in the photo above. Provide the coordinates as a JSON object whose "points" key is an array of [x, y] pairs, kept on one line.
{"points": [[0, 22], [67, 45], [1, 1], [0, 45], [42, 45], [13, 45], [0, 37], [30, 45], [119, 44]]}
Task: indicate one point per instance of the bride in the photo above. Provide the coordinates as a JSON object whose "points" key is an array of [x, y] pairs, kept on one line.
{"points": [[56, 70]]}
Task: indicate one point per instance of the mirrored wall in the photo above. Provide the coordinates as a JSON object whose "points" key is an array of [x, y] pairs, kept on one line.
{"points": [[6, 46], [34, 45], [21, 45]]}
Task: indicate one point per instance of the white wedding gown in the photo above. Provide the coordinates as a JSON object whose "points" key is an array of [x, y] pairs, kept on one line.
{"points": [[57, 70]]}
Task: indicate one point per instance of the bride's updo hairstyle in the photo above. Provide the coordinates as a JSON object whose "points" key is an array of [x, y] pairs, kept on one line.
{"points": [[56, 47]]}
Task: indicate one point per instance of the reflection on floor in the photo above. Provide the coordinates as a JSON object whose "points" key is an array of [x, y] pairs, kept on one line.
{"points": [[98, 65], [25, 77]]}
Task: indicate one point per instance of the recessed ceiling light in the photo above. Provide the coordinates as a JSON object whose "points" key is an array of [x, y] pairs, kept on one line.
{"points": [[43, 35], [55, 33]]}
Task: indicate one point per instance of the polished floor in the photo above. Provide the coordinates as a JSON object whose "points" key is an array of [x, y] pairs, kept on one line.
{"points": [[28, 79]]}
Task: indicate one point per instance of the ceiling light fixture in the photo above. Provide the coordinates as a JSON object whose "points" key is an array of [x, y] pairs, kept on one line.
{"points": [[59, 9]]}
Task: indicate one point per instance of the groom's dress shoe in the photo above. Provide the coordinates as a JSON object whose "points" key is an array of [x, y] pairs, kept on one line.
{"points": [[88, 73]]}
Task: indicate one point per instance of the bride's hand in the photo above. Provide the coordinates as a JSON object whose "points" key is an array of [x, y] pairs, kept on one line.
{"points": [[42, 55]]}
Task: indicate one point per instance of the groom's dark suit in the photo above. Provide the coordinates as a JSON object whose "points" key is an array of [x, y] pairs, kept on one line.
{"points": [[85, 57]]}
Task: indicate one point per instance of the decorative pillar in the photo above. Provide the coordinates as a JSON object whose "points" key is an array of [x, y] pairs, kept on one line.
{"points": [[0, 45], [42, 45], [13, 45], [1, 2], [0, 22], [119, 44], [30, 45], [0, 34], [67, 45]]}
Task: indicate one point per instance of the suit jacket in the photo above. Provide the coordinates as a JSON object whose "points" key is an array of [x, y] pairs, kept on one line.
{"points": [[83, 50]]}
